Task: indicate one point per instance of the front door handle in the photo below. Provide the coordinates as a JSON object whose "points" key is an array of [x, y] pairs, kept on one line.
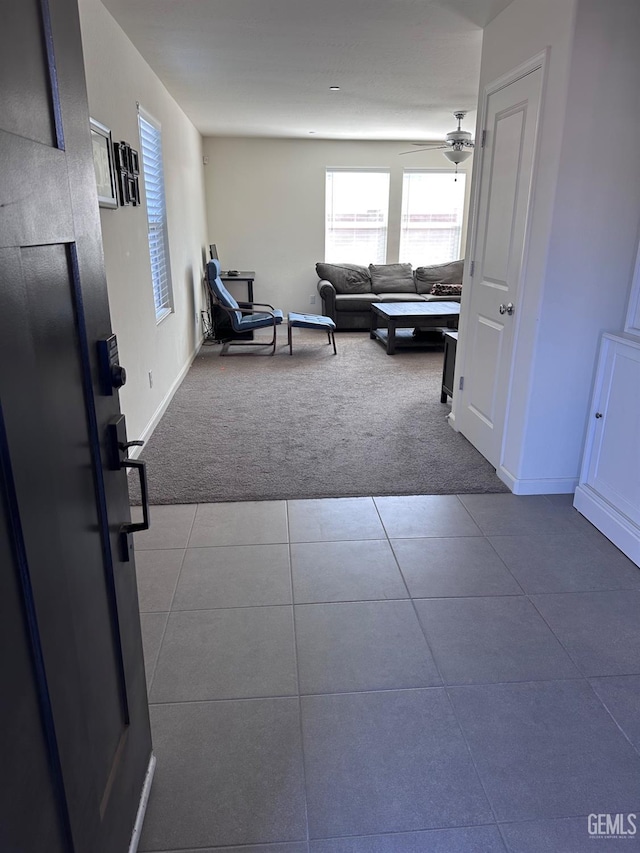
{"points": [[126, 542], [117, 446], [141, 467], [509, 308]]}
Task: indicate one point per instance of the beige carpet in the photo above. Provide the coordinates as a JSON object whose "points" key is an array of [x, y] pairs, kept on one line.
{"points": [[254, 427]]}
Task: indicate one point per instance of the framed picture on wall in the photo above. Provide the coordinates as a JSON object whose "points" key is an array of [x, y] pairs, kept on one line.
{"points": [[134, 191], [121, 155], [103, 164], [123, 186]]}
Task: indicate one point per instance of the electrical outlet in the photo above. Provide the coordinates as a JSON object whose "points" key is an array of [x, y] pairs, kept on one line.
{"points": [[151, 379], [312, 299]]}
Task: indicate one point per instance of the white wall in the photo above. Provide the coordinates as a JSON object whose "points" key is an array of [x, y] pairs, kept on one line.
{"points": [[584, 221], [118, 77], [266, 199]]}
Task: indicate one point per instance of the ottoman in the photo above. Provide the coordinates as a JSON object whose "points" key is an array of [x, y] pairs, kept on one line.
{"points": [[311, 321]]}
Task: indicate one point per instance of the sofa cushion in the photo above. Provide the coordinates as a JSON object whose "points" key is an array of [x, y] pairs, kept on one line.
{"points": [[392, 278], [440, 289], [346, 278], [355, 301], [400, 297], [426, 277]]}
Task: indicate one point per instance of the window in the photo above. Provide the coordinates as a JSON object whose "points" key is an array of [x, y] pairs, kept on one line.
{"points": [[432, 208], [151, 152], [357, 212]]}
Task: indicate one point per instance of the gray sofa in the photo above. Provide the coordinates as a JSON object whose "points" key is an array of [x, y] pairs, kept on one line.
{"points": [[348, 290]]}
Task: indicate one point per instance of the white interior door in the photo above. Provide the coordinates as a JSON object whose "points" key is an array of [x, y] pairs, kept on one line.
{"points": [[503, 202]]}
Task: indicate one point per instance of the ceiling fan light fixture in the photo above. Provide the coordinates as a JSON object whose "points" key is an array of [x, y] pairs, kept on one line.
{"points": [[459, 137], [457, 156]]}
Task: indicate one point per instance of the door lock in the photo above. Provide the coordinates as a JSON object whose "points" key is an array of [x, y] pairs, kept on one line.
{"points": [[509, 308], [112, 374]]}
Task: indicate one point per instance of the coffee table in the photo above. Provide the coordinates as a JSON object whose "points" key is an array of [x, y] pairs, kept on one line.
{"points": [[404, 315]]}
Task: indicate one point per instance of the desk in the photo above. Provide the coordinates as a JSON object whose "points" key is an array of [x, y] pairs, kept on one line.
{"points": [[222, 329], [245, 276]]}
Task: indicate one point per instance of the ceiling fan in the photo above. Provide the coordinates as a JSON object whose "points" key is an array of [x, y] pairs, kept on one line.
{"points": [[457, 147]]}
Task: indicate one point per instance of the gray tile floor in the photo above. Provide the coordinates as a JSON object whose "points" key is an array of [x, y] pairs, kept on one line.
{"points": [[388, 675]]}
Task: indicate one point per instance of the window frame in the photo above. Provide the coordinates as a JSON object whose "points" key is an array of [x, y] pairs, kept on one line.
{"points": [[166, 307]]}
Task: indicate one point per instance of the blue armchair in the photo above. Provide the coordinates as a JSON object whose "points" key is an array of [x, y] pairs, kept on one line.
{"points": [[245, 318]]}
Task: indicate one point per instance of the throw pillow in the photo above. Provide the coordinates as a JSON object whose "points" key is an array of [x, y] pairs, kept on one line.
{"points": [[450, 273], [440, 289], [346, 278], [392, 278]]}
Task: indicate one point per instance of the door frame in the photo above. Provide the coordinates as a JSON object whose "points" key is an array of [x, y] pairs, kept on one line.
{"points": [[539, 61]]}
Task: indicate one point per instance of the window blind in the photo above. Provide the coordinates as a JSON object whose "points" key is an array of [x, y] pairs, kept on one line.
{"points": [[432, 210], [357, 212], [152, 168]]}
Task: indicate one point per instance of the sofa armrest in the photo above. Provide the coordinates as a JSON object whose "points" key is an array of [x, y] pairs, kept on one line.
{"points": [[328, 294]]}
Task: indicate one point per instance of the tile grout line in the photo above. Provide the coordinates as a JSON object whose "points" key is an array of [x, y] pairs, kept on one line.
{"points": [[580, 670], [579, 677], [282, 696], [491, 545], [323, 541], [610, 713], [459, 725], [340, 602], [587, 678], [444, 687], [166, 624], [297, 665], [446, 692], [399, 832]]}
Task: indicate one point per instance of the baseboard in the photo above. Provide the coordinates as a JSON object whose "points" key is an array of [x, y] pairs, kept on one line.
{"points": [[615, 526], [451, 418], [560, 486], [164, 405], [142, 807]]}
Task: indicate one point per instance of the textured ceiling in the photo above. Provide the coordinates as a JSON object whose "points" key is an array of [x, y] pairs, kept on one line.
{"points": [[264, 67]]}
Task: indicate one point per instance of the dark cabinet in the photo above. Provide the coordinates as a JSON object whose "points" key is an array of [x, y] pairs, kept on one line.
{"points": [[449, 366]]}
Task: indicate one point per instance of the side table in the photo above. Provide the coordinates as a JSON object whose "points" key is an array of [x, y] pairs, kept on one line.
{"points": [[449, 366]]}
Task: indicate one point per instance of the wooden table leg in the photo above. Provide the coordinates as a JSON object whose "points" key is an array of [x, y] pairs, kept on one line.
{"points": [[374, 324], [391, 336]]}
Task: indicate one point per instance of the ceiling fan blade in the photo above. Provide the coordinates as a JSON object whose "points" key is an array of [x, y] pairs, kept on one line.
{"points": [[423, 148]]}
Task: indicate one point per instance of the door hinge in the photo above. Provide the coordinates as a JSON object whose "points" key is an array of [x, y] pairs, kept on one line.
{"points": [[483, 139], [472, 268], [461, 384]]}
